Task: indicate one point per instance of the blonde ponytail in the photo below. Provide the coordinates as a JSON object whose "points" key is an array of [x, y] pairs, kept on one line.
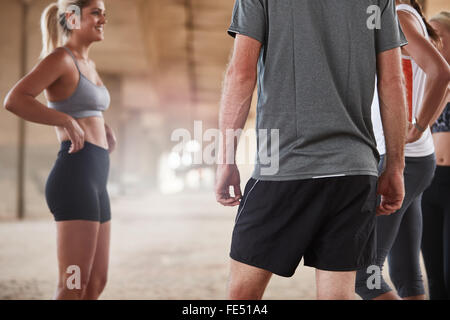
{"points": [[443, 18], [54, 25], [51, 31]]}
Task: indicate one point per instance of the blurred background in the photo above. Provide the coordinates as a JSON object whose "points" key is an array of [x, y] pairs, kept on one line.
{"points": [[163, 62]]}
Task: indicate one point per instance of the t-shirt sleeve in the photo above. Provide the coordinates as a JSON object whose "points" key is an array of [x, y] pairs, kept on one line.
{"points": [[248, 19], [390, 34]]}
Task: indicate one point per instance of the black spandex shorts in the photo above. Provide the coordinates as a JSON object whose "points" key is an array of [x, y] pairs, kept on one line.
{"points": [[328, 221], [76, 186]]}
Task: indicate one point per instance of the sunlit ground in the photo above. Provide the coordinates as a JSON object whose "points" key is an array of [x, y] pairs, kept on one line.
{"points": [[163, 247]]}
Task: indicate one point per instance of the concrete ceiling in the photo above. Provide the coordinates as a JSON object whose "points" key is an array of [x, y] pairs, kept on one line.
{"points": [[181, 45]]}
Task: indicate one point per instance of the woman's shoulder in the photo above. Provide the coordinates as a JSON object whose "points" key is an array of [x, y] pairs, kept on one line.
{"points": [[58, 55], [58, 58], [410, 22], [64, 54]]}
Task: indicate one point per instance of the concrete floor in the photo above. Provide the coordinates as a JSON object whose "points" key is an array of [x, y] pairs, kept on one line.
{"points": [[163, 247]]}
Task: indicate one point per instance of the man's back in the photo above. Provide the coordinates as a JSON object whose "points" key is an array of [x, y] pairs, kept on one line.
{"points": [[317, 61], [316, 81]]}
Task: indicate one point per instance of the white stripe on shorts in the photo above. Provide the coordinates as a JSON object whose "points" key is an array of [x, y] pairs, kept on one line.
{"points": [[245, 201], [331, 176]]}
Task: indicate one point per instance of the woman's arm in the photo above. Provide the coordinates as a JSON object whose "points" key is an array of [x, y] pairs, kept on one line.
{"points": [[111, 138], [433, 64], [21, 100]]}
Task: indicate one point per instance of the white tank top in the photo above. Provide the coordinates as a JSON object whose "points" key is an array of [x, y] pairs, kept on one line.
{"points": [[415, 85]]}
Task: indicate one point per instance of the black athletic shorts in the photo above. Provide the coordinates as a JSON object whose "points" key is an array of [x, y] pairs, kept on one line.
{"points": [[328, 221], [76, 186]]}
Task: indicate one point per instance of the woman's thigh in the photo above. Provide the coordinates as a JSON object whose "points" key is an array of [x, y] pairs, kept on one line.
{"points": [[76, 247]]}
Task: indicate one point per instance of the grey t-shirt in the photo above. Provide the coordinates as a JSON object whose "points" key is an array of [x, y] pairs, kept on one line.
{"points": [[316, 80]]}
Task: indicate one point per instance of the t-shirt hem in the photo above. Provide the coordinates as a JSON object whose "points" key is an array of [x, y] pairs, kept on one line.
{"points": [[232, 31], [392, 45], [305, 176]]}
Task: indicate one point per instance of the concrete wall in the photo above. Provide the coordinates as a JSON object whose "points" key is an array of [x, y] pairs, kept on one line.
{"points": [[435, 6], [10, 17]]}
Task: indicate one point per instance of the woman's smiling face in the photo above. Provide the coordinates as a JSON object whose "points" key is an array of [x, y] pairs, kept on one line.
{"points": [[93, 20]]}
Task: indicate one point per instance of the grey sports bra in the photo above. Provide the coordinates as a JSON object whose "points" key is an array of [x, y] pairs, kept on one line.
{"points": [[443, 123], [88, 100]]}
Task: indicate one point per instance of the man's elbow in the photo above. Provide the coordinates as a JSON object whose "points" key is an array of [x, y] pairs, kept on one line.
{"points": [[241, 73], [394, 82]]}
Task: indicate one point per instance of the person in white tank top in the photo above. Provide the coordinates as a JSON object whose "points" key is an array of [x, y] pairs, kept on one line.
{"points": [[399, 235], [415, 79]]}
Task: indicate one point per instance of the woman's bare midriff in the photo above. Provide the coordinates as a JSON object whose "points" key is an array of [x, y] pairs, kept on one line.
{"points": [[442, 145], [94, 131]]}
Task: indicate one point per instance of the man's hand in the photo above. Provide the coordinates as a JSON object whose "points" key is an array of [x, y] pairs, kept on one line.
{"points": [[228, 176], [391, 187]]}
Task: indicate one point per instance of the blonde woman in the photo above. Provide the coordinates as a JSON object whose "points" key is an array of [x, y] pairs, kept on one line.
{"points": [[435, 205], [76, 187]]}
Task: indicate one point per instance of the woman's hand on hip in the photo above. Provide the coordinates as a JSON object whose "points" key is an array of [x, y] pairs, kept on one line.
{"points": [[413, 134], [111, 138], [76, 135]]}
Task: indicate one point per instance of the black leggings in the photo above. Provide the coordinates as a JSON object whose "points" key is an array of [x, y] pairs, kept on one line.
{"points": [[76, 187], [399, 235], [436, 234]]}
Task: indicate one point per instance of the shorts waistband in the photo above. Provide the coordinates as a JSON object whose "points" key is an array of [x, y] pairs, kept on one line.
{"points": [[430, 157], [88, 147]]}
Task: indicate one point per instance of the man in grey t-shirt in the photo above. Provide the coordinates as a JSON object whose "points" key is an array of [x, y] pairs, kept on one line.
{"points": [[313, 192]]}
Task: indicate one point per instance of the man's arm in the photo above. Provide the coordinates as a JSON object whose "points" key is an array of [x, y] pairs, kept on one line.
{"points": [[393, 108], [238, 89], [239, 86]]}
